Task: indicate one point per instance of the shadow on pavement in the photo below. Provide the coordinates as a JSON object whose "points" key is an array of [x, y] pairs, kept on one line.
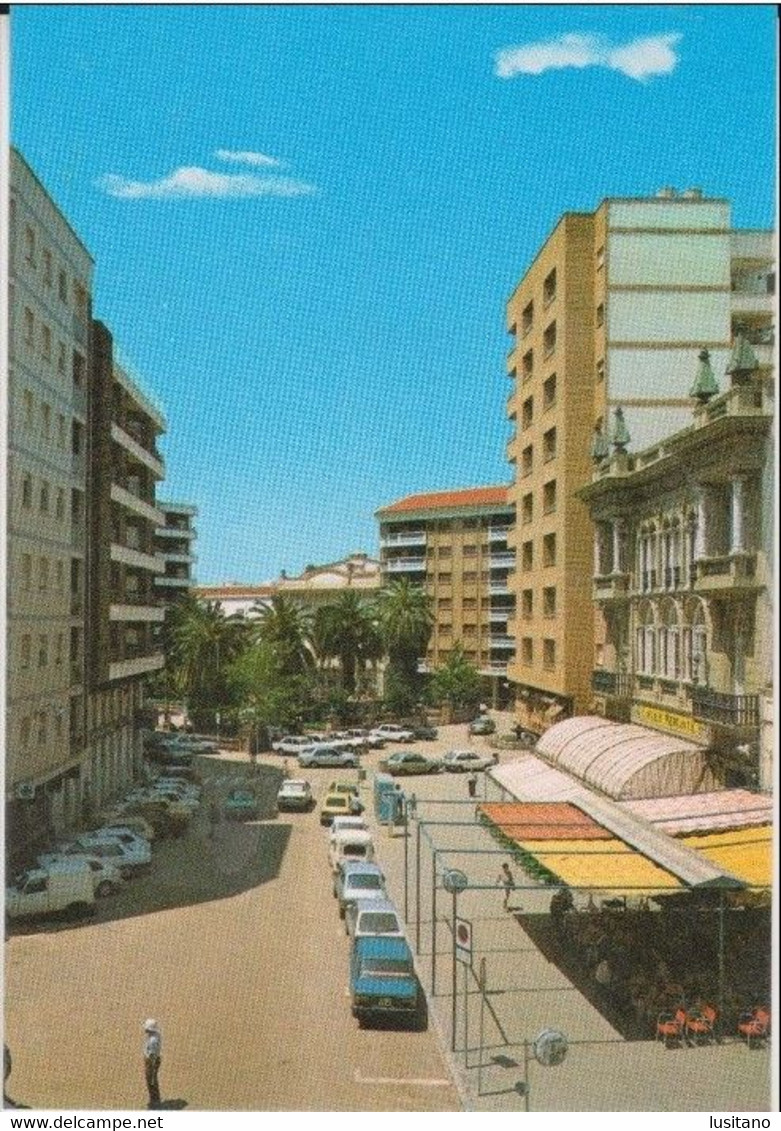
{"points": [[203, 864]]}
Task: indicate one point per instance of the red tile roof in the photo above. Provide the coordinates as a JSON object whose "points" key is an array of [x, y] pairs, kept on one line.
{"points": [[469, 497]]}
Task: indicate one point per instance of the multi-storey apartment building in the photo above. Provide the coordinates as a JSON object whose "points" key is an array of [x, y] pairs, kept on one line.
{"points": [[681, 575], [123, 609], [174, 542], [49, 316], [456, 544], [605, 323]]}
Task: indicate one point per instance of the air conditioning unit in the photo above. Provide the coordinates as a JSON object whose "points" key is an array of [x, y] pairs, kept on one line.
{"points": [[24, 791]]}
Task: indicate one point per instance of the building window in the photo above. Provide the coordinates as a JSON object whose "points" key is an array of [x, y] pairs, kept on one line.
{"points": [[29, 327], [549, 497], [24, 731], [43, 573], [444, 628], [29, 245], [445, 551], [46, 257], [600, 257], [79, 370], [470, 577], [470, 551], [601, 314], [549, 550], [26, 651], [62, 286], [549, 601], [46, 343], [549, 392], [527, 556], [527, 460], [549, 340], [470, 630], [60, 575], [444, 578], [527, 651], [27, 491], [549, 287], [549, 445], [44, 497], [46, 421], [59, 648], [61, 432], [445, 603], [549, 653], [42, 728], [527, 603], [29, 409], [62, 355], [60, 504], [527, 412], [27, 571], [527, 508], [527, 319], [469, 603], [43, 651], [527, 365], [601, 370]]}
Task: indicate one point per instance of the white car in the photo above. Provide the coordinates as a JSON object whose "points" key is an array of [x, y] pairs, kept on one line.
{"points": [[330, 755], [106, 877], [296, 794], [343, 824], [291, 744], [461, 761], [350, 844], [373, 917], [392, 732]]}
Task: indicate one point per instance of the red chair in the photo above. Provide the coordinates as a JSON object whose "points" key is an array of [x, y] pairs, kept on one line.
{"points": [[754, 1025], [700, 1024], [670, 1027]]}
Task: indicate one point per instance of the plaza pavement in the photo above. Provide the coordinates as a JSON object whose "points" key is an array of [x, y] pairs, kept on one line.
{"points": [[526, 993]]}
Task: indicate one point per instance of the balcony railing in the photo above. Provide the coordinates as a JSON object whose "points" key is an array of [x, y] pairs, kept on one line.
{"points": [[617, 684], [611, 586], [500, 587], [730, 571], [502, 641], [721, 707], [498, 533], [408, 538], [405, 565], [502, 559]]}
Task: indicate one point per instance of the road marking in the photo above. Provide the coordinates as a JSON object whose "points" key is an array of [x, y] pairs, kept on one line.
{"points": [[424, 1082]]}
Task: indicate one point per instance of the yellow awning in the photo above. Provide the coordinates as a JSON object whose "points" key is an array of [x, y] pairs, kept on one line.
{"points": [[746, 853], [608, 865]]}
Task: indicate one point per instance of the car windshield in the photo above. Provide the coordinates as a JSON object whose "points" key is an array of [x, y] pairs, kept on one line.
{"points": [[294, 787], [378, 923], [339, 801], [384, 968], [368, 882], [354, 849]]}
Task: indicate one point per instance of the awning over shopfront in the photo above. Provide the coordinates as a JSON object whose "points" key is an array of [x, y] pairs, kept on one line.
{"points": [[705, 812], [624, 760], [746, 853]]}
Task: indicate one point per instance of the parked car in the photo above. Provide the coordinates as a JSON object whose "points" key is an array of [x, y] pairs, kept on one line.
{"points": [[65, 888], [482, 725], [295, 794], [181, 773], [358, 879], [291, 744], [327, 756], [393, 732], [383, 981], [351, 844], [136, 855], [117, 819], [190, 742], [461, 761], [373, 917], [425, 733], [339, 805], [341, 824], [241, 805], [365, 738], [410, 762], [168, 818], [106, 877]]}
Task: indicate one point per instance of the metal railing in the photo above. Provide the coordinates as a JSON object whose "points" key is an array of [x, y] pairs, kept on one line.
{"points": [[721, 707]]}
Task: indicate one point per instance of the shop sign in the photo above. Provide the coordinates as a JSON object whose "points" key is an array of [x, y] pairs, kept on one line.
{"points": [[661, 719]]}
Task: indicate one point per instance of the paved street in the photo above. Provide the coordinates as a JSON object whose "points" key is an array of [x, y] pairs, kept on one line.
{"points": [[237, 947]]}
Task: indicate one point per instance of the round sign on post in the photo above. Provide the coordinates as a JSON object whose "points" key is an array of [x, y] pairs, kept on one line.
{"points": [[454, 881], [550, 1047]]}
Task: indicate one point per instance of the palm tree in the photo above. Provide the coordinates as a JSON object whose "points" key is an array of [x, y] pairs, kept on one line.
{"points": [[346, 631], [405, 619], [286, 629], [203, 642]]}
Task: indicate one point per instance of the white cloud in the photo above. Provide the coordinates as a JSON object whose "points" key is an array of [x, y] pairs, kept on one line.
{"points": [[640, 59], [191, 181], [247, 157]]}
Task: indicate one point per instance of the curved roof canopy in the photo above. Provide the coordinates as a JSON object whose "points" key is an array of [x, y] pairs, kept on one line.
{"points": [[625, 761]]}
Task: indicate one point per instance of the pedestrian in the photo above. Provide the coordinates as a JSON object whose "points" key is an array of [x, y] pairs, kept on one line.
{"points": [[471, 784], [412, 807], [153, 1047], [285, 769], [507, 880]]}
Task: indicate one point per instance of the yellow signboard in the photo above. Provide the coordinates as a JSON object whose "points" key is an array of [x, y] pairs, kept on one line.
{"points": [[662, 719]]}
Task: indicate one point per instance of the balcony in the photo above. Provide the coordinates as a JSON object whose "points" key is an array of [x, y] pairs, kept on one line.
{"points": [[148, 614], [728, 710], [616, 684], [175, 582], [611, 587], [405, 565], [137, 665], [133, 448], [728, 573], [132, 501], [499, 533], [408, 538], [499, 616], [502, 559], [503, 642], [494, 667], [500, 588], [125, 555]]}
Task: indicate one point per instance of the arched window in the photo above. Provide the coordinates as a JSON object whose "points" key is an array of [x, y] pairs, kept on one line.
{"points": [[668, 636], [694, 635], [645, 642]]}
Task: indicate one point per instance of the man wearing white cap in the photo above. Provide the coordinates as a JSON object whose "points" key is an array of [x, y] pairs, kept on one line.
{"points": [[153, 1046]]}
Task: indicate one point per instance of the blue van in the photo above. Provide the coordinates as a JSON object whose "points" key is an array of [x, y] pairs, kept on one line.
{"points": [[388, 799], [383, 982]]}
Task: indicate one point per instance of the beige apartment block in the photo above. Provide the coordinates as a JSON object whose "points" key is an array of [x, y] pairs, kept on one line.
{"points": [[458, 545], [607, 325], [49, 315], [682, 577]]}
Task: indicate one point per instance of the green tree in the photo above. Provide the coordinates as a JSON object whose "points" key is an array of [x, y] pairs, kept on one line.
{"points": [[286, 629], [264, 694], [345, 630], [457, 682], [202, 644], [404, 619]]}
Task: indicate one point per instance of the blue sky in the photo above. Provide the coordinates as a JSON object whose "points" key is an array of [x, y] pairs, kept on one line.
{"points": [[306, 221]]}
